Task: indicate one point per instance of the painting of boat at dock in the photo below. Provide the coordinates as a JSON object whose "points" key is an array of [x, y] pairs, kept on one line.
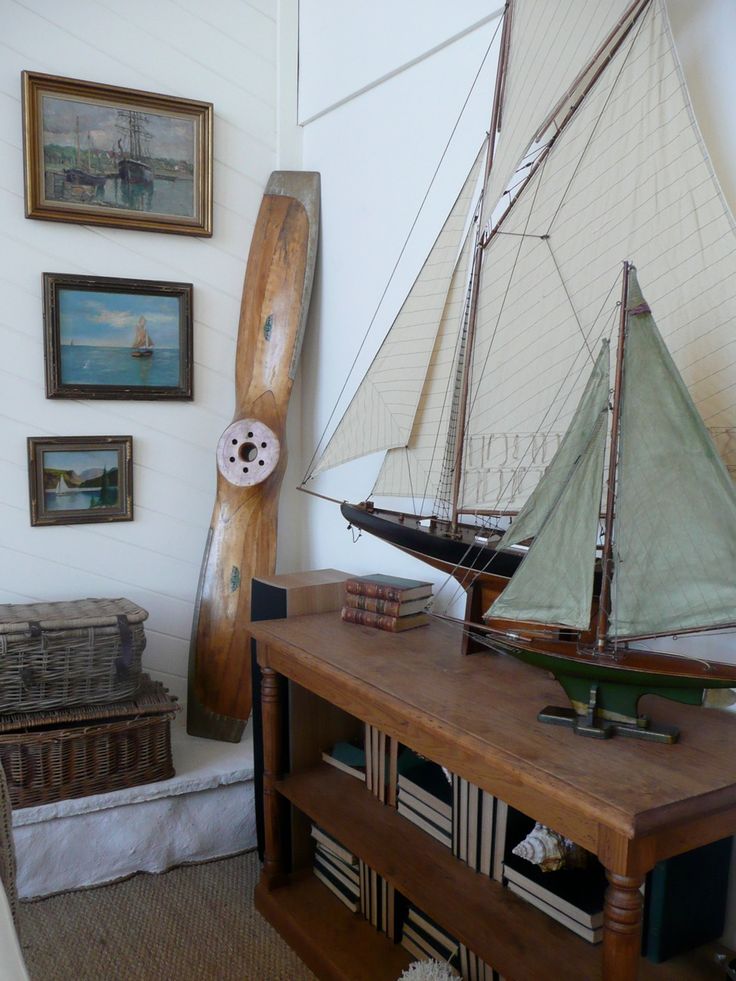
{"points": [[98, 154], [117, 338], [80, 479]]}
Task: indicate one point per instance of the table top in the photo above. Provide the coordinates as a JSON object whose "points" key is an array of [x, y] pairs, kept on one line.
{"points": [[477, 715]]}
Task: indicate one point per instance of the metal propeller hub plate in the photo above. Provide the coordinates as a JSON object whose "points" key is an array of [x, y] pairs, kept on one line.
{"points": [[247, 453]]}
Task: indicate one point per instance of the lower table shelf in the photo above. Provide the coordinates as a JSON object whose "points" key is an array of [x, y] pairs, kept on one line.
{"points": [[333, 942], [519, 940]]}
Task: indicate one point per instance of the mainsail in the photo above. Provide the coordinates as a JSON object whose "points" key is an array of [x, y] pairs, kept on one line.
{"points": [[626, 175]]}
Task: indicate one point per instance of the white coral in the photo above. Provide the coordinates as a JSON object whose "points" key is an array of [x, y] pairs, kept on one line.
{"points": [[427, 971]]}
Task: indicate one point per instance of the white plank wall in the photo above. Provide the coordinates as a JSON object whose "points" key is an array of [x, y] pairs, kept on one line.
{"points": [[224, 52]]}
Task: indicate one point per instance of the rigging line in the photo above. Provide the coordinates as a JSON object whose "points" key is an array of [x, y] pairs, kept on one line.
{"points": [[472, 574], [307, 475], [569, 298], [597, 121]]}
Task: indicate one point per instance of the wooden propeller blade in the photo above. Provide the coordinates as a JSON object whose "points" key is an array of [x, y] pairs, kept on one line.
{"points": [[251, 454]]}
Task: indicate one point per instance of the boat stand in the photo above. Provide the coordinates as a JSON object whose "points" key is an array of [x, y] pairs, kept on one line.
{"points": [[592, 724]]}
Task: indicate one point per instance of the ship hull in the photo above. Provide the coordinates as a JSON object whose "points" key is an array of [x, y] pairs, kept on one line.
{"points": [[604, 690], [135, 172], [459, 554]]}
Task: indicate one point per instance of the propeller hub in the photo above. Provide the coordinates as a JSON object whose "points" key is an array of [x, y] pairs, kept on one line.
{"points": [[248, 452]]}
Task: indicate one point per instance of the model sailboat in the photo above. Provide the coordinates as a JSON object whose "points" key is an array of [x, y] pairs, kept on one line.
{"points": [[593, 157]]}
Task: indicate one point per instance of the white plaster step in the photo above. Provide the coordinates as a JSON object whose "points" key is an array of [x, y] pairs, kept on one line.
{"points": [[206, 810]]}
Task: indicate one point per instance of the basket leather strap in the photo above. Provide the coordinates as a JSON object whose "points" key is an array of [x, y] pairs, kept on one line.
{"points": [[124, 662]]}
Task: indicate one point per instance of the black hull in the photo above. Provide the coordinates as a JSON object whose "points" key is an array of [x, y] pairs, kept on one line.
{"points": [[76, 176], [434, 545], [135, 172]]}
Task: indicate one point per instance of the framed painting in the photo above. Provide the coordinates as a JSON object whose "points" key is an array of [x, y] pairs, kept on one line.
{"points": [[102, 155], [111, 338], [80, 479]]}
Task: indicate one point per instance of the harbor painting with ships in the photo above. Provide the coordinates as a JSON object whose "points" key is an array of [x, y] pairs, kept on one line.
{"points": [[118, 157]]}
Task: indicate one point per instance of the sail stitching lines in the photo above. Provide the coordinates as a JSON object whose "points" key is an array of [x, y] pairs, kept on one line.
{"points": [[308, 472], [600, 115]]}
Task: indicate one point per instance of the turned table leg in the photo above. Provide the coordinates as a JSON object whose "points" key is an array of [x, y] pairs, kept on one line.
{"points": [[622, 927], [272, 711]]}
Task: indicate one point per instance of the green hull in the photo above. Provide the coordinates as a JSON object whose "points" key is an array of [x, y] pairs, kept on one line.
{"points": [[605, 699]]}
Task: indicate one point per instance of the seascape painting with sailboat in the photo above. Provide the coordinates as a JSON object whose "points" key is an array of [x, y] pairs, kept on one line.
{"points": [[118, 339], [586, 512], [108, 337]]}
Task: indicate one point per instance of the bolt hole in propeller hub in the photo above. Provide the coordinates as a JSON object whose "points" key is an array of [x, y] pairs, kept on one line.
{"points": [[248, 452]]}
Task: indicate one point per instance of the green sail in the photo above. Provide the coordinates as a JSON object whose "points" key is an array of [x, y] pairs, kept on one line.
{"points": [[544, 497], [554, 583], [675, 533]]}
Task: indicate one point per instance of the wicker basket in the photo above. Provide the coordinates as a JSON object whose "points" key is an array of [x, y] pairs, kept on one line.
{"points": [[77, 752], [84, 652]]}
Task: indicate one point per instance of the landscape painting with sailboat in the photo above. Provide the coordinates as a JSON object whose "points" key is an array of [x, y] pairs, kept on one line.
{"points": [[77, 481], [589, 517]]}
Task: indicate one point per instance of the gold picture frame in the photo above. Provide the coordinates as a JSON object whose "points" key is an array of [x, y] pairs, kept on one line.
{"points": [[104, 155]]}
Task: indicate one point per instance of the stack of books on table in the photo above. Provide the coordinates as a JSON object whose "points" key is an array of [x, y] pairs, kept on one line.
{"points": [[337, 868], [425, 798], [387, 602], [426, 940]]}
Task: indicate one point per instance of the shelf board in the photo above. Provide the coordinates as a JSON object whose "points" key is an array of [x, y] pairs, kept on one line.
{"points": [[516, 938], [334, 943]]}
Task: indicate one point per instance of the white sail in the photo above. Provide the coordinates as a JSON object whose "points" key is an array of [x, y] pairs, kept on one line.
{"points": [[414, 470], [549, 41], [382, 411], [628, 177]]}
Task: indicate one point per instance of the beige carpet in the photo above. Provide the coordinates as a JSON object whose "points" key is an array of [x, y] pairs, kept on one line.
{"points": [[194, 923]]}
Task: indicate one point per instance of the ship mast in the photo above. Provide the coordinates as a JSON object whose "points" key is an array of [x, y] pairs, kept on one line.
{"points": [[475, 274], [580, 88], [604, 603]]}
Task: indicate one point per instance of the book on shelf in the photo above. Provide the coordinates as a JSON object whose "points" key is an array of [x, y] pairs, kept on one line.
{"points": [[685, 901], [429, 933], [439, 834], [333, 846], [440, 818], [392, 588], [575, 892], [348, 872], [382, 622], [593, 935], [346, 895], [348, 757], [426, 781], [390, 608], [340, 874]]}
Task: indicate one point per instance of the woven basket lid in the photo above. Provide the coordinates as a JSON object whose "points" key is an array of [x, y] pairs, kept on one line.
{"points": [[17, 617]]}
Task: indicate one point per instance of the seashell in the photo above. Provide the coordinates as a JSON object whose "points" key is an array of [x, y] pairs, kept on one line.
{"points": [[550, 851]]}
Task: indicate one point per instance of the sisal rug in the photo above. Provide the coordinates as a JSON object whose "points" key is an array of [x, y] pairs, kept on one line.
{"points": [[194, 923]]}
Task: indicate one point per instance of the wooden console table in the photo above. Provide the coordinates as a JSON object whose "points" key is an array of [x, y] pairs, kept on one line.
{"points": [[630, 803]]}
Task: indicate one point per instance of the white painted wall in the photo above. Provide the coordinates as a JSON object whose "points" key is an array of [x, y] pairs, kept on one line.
{"points": [[225, 52]]}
